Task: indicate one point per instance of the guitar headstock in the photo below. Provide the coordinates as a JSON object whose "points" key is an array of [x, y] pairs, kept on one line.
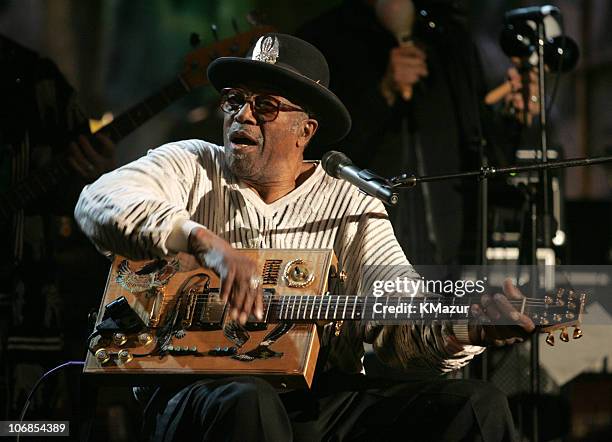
{"points": [[558, 312], [197, 61]]}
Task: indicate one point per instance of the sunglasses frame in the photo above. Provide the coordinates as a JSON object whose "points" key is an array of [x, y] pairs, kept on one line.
{"points": [[251, 100]]}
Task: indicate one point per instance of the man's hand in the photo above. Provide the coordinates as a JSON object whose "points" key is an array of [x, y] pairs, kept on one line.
{"points": [[512, 93], [407, 65], [499, 322], [90, 162], [240, 280]]}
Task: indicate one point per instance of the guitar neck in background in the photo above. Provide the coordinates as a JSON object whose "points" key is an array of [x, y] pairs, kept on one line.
{"points": [[38, 183]]}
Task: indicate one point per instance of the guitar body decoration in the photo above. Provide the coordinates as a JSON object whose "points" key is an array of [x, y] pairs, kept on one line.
{"points": [[208, 343]]}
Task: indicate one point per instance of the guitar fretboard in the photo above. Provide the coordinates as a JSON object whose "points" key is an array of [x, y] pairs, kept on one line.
{"points": [[310, 308], [139, 114], [337, 307]]}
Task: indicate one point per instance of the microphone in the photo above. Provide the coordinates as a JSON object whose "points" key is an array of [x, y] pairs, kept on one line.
{"points": [[532, 13], [340, 166]]}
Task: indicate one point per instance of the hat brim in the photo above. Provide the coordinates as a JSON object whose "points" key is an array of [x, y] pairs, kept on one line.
{"points": [[333, 117]]}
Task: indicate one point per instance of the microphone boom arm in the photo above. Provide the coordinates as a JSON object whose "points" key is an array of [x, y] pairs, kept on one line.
{"points": [[404, 180]]}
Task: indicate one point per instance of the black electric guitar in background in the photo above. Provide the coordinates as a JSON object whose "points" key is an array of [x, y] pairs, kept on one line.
{"points": [[193, 75]]}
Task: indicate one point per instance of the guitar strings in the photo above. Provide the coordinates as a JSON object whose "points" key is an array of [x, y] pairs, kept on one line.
{"points": [[202, 299], [352, 305], [361, 303], [295, 303]]}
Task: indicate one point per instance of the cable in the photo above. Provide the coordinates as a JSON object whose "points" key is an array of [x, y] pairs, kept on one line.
{"points": [[37, 384], [95, 334]]}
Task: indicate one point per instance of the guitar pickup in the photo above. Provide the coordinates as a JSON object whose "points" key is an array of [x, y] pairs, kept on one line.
{"points": [[209, 311]]}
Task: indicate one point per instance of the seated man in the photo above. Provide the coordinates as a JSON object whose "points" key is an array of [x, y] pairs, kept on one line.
{"points": [[257, 192]]}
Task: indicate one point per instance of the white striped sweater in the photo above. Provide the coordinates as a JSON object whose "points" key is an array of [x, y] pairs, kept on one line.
{"points": [[133, 210]]}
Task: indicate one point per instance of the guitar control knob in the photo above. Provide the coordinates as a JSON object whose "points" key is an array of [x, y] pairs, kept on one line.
{"points": [[564, 336], [124, 356], [145, 338], [577, 333], [550, 339], [119, 339], [102, 355], [298, 274]]}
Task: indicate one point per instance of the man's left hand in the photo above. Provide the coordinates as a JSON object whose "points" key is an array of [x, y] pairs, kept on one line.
{"points": [[499, 323]]}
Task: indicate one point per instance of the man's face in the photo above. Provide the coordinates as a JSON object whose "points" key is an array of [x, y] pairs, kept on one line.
{"points": [[258, 150]]}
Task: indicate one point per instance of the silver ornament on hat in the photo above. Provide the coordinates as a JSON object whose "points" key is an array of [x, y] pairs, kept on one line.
{"points": [[266, 49]]}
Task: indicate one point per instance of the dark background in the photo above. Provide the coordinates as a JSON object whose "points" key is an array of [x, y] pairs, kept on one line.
{"points": [[115, 53]]}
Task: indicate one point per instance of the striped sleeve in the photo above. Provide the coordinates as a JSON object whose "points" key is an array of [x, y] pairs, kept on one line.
{"points": [[132, 210], [373, 253]]}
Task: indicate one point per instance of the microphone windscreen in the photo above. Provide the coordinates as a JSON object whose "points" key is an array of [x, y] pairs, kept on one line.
{"points": [[332, 160]]}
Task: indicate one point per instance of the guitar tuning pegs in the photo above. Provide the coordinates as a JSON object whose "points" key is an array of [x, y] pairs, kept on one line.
{"points": [[577, 333], [119, 339], [214, 30], [550, 339], [145, 338], [564, 336], [194, 40], [102, 355], [255, 18], [124, 356]]}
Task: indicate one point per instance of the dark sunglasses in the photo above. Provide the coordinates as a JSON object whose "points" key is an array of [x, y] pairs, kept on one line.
{"points": [[264, 107]]}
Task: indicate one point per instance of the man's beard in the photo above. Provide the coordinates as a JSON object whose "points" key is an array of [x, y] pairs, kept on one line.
{"points": [[241, 165]]}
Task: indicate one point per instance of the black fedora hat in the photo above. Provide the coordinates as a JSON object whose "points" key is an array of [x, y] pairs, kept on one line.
{"points": [[294, 68]]}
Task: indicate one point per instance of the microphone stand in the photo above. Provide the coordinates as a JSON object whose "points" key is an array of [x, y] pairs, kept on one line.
{"points": [[486, 172], [546, 224]]}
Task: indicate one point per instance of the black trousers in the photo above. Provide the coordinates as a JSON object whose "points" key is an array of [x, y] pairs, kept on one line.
{"points": [[341, 408]]}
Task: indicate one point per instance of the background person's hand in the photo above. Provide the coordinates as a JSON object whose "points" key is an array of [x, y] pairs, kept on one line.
{"points": [[90, 160], [240, 278], [407, 65], [515, 98], [500, 323]]}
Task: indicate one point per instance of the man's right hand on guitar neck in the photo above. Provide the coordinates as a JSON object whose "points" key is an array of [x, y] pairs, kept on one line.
{"points": [[240, 279]]}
